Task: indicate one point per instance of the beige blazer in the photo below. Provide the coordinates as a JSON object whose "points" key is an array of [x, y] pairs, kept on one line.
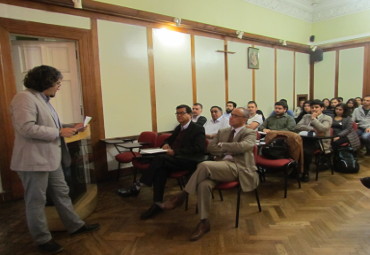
{"points": [[37, 144], [241, 150]]}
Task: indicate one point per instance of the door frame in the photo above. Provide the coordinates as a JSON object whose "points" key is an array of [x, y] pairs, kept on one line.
{"points": [[90, 82]]}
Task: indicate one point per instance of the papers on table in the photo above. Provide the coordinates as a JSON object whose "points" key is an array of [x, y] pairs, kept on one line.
{"points": [[152, 151]]}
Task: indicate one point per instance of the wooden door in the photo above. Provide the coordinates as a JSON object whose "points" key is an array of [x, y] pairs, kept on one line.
{"points": [[61, 55]]}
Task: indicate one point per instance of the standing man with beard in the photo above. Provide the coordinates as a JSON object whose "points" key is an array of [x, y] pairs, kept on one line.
{"points": [[40, 154], [279, 121], [230, 106]]}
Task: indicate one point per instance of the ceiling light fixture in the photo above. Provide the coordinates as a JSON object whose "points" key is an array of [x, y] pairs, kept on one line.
{"points": [[77, 4], [283, 42], [177, 21], [239, 34]]}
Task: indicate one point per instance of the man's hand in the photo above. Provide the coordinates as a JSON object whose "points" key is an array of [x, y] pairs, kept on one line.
{"points": [[314, 115], [367, 130], [68, 132], [166, 147], [336, 138], [266, 130], [170, 152], [80, 127]]}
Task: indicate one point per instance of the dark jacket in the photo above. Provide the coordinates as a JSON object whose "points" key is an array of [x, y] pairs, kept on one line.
{"points": [[193, 143], [201, 120], [348, 131]]}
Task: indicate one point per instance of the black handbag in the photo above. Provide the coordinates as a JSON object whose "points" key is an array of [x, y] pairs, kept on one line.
{"points": [[277, 149]]}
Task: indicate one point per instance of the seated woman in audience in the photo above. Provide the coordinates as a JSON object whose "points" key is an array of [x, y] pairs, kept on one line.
{"points": [[299, 108], [326, 102], [306, 109], [359, 101], [343, 128], [352, 105], [330, 110]]}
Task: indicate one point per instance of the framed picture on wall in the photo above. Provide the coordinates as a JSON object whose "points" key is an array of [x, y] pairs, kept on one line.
{"points": [[253, 58]]}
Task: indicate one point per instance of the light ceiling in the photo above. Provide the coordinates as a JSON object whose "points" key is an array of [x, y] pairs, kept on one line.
{"points": [[314, 10]]}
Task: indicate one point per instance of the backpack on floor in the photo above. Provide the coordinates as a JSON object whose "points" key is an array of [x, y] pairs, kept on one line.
{"points": [[344, 161]]}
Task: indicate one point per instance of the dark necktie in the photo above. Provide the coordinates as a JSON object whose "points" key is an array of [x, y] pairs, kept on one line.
{"points": [[231, 136]]}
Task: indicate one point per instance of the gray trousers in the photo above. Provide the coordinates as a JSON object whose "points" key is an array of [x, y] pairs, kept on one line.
{"points": [[35, 185], [204, 179]]}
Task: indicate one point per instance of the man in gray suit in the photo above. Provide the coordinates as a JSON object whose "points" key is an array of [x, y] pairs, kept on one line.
{"points": [[233, 151], [39, 155]]}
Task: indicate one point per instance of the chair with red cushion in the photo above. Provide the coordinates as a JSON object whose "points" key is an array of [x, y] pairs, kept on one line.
{"points": [[288, 165], [161, 138], [147, 139], [232, 185], [141, 164]]}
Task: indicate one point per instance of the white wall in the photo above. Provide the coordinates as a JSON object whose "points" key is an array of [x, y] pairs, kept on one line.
{"points": [[351, 72], [284, 76], [324, 80], [265, 86], [125, 78], [302, 74], [172, 70], [210, 72], [240, 77]]}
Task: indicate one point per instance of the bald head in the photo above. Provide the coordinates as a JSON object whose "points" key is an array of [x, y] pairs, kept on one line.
{"points": [[239, 117]]}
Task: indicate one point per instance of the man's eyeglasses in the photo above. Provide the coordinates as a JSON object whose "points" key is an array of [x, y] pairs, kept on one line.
{"points": [[180, 113]]}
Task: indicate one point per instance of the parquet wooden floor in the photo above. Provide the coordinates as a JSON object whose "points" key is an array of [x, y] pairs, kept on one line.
{"points": [[330, 216]]}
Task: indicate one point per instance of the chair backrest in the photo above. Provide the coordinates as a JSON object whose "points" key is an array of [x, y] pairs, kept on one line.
{"points": [[148, 137], [354, 126], [161, 138], [258, 136]]}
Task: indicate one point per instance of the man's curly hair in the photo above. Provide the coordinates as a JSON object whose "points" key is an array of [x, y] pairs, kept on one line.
{"points": [[41, 78]]}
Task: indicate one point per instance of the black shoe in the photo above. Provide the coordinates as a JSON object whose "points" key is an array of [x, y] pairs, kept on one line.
{"points": [[130, 192], [366, 182], [86, 229], [51, 247], [152, 211], [305, 177]]}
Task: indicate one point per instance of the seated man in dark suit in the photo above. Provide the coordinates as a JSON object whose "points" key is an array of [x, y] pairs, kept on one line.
{"points": [[184, 149]]}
